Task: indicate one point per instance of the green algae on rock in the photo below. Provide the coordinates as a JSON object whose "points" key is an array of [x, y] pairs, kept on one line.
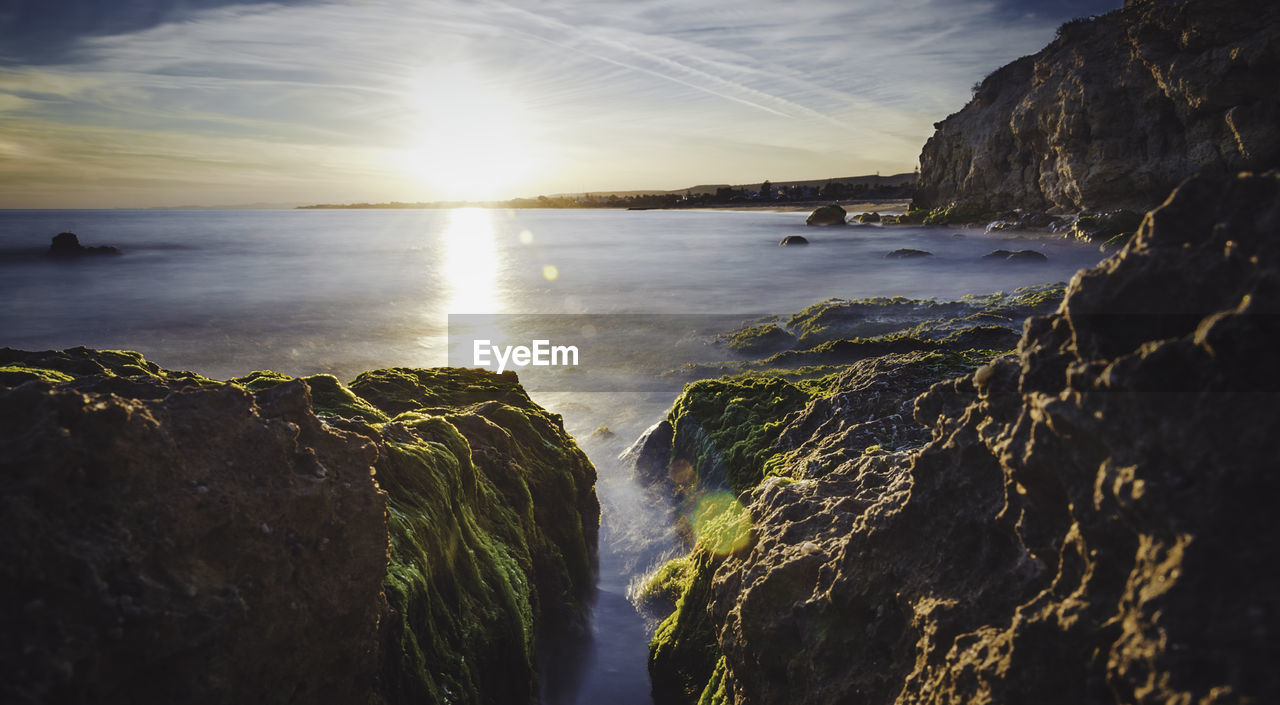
{"points": [[482, 511]]}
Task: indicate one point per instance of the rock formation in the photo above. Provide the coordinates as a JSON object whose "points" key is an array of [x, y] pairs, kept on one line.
{"points": [[1086, 522], [169, 538], [1116, 111]]}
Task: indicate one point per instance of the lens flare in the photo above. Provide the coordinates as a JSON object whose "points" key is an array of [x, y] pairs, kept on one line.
{"points": [[721, 524]]}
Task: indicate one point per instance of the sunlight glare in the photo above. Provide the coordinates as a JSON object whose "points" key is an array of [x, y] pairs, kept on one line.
{"points": [[474, 137]]}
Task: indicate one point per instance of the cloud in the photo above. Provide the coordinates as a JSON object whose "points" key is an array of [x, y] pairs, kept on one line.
{"points": [[650, 93]]}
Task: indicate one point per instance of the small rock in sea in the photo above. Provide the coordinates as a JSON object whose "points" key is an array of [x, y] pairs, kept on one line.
{"points": [[827, 215], [68, 245], [793, 240], [907, 253], [1027, 256], [869, 218], [957, 234], [1017, 256]]}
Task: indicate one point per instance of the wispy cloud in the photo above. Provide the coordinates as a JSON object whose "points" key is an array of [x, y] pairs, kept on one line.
{"points": [[318, 99]]}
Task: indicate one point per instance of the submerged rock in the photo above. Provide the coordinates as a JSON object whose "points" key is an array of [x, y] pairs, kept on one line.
{"points": [[1027, 256], [1116, 111], [868, 217], [907, 253], [827, 215], [1016, 256], [792, 240], [1089, 521], [68, 245], [168, 538]]}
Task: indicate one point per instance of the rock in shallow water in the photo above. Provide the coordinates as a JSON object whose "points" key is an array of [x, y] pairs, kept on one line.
{"points": [[792, 240], [908, 253], [67, 245], [1016, 256], [827, 215]]}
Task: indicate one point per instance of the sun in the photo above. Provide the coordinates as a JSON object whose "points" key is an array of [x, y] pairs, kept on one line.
{"points": [[473, 137]]}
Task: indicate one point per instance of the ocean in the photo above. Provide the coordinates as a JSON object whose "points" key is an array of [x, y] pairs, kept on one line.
{"points": [[223, 293]]}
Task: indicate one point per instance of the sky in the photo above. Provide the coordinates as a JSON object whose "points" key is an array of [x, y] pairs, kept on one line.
{"points": [[155, 103]]}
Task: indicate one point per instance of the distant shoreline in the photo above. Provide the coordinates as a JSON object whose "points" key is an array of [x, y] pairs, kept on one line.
{"points": [[857, 205]]}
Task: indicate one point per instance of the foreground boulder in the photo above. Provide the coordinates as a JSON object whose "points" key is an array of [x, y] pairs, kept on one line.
{"points": [[1089, 521], [169, 538], [827, 215], [1116, 111]]}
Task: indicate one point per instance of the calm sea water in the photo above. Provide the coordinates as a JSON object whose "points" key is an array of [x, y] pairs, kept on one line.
{"points": [[227, 292]]}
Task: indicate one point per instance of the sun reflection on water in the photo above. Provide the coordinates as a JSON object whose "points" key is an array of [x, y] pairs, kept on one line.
{"points": [[471, 262]]}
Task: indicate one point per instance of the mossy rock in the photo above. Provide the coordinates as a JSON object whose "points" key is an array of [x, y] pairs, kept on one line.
{"points": [[53, 365], [727, 427], [764, 338], [684, 652], [491, 510], [328, 396], [960, 214]]}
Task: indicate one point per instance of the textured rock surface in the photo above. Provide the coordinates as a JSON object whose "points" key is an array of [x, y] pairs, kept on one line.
{"points": [[168, 538], [1089, 523], [1116, 111]]}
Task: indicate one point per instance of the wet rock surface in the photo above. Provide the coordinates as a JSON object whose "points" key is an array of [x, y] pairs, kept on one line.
{"points": [[1116, 111], [1088, 521], [169, 538]]}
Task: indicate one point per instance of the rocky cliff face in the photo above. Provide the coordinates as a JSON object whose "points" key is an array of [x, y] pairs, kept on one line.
{"points": [[1116, 111], [1089, 521], [169, 538]]}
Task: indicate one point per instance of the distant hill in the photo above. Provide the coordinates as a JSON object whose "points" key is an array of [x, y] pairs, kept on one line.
{"points": [[868, 180]]}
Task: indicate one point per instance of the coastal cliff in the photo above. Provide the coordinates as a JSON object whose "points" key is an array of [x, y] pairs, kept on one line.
{"points": [[168, 538], [1085, 520], [1115, 112]]}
